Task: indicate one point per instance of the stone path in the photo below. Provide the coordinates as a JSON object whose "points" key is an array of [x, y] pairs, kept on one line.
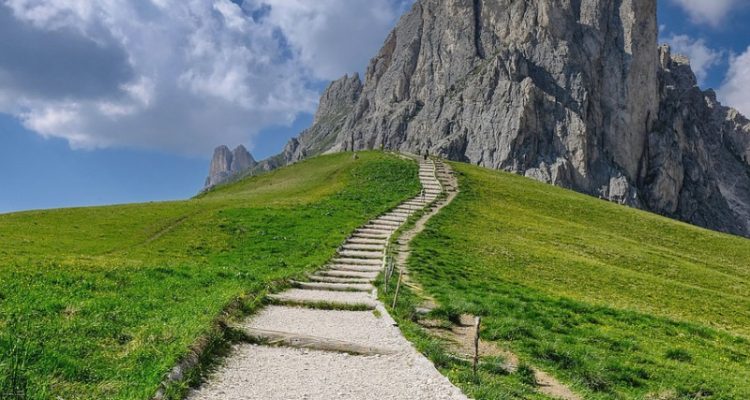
{"points": [[313, 348]]}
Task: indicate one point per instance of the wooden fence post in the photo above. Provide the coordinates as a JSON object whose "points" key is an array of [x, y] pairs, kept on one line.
{"points": [[477, 323]]}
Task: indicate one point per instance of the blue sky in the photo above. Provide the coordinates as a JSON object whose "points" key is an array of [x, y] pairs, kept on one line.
{"points": [[124, 101]]}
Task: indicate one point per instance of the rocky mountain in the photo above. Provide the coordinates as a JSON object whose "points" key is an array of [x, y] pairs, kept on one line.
{"points": [[227, 164], [573, 93]]}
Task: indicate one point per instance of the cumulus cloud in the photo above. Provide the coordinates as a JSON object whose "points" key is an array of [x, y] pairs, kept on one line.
{"points": [[710, 12], [734, 90], [702, 57], [177, 75], [335, 33]]}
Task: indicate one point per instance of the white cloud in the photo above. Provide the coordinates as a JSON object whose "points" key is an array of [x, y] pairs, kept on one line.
{"points": [[702, 58], [333, 37], [734, 91], [177, 75], [710, 12]]}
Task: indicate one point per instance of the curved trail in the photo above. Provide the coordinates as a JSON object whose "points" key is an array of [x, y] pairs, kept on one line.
{"points": [[313, 348]]}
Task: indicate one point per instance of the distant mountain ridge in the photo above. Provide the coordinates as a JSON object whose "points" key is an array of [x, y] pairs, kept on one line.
{"points": [[574, 94]]}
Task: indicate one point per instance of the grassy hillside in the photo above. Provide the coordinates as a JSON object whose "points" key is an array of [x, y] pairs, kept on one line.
{"points": [[98, 303], [620, 303]]}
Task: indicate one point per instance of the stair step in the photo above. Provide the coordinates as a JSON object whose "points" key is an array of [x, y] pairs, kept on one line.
{"points": [[300, 341], [324, 299], [357, 261], [358, 240], [332, 279], [395, 219], [374, 232], [389, 229], [334, 287], [359, 246], [373, 236], [355, 268], [376, 255], [348, 274], [382, 222]]}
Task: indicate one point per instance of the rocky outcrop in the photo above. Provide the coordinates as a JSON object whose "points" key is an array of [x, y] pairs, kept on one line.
{"points": [[227, 164], [336, 104], [573, 93], [698, 154]]}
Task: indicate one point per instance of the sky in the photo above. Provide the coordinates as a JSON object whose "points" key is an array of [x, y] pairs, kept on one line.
{"points": [[117, 101]]}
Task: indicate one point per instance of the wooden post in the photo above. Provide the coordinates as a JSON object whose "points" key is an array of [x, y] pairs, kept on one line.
{"points": [[477, 323], [385, 263], [398, 286]]}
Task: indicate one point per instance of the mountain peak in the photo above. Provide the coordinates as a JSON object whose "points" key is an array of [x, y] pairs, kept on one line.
{"points": [[226, 164]]}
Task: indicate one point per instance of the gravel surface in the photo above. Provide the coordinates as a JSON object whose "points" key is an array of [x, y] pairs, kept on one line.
{"points": [[360, 327], [270, 373]]}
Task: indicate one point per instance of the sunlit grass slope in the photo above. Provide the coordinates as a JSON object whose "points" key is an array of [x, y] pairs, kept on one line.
{"points": [[621, 303], [98, 303]]}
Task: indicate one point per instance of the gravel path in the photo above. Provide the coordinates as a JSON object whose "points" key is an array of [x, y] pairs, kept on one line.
{"points": [[361, 327], [266, 372], [270, 373]]}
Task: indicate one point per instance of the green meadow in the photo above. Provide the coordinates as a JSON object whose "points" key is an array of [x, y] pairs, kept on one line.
{"points": [[615, 302], [101, 302]]}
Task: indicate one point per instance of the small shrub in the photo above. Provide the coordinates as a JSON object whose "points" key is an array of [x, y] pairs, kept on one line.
{"points": [[527, 375], [680, 355]]}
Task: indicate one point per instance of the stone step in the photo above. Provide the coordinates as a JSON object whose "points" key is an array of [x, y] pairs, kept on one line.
{"points": [[382, 228], [334, 287], [365, 235], [380, 221], [361, 327], [392, 218], [358, 240], [410, 207], [377, 255], [414, 210], [355, 268], [382, 233], [392, 225], [324, 299], [357, 261], [332, 279], [348, 274], [398, 213], [359, 246], [302, 341]]}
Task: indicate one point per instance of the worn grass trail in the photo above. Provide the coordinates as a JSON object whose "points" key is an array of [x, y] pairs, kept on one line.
{"points": [[329, 337], [617, 302], [99, 303]]}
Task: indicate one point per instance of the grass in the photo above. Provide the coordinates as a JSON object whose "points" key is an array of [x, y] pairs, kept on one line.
{"points": [[101, 302], [619, 303]]}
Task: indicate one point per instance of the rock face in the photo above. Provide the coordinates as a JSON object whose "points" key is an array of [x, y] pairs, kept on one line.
{"points": [[336, 104], [698, 154], [227, 164], [573, 93]]}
